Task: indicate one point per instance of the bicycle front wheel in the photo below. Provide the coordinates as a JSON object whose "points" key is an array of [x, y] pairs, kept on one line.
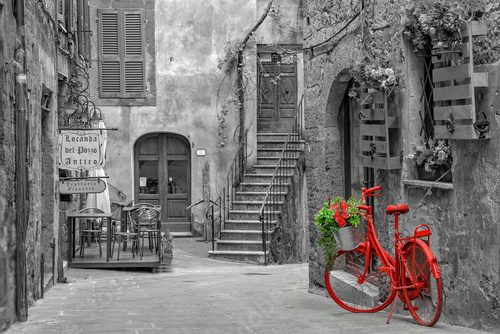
{"points": [[350, 291], [425, 299]]}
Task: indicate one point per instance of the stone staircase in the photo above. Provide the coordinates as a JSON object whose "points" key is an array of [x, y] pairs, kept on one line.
{"points": [[241, 237]]}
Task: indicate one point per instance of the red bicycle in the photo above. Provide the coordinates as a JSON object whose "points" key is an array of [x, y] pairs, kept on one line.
{"points": [[367, 279]]}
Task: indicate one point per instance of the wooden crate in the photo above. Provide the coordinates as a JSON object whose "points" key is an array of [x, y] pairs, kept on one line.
{"points": [[458, 87], [379, 130]]}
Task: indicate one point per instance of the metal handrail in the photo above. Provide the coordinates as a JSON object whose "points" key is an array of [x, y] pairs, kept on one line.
{"points": [[277, 186]]}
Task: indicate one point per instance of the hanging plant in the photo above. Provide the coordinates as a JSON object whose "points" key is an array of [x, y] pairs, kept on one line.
{"points": [[375, 76], [439, 25]]}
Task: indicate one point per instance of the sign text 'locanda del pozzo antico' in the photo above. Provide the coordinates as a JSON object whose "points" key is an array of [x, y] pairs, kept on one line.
{"points": [[81, 150]]}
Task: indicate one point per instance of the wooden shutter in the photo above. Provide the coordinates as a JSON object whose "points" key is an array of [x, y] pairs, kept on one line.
{"points": [[134, 54], [122, 66], [87, 29], [83, 24], [110, 73]]}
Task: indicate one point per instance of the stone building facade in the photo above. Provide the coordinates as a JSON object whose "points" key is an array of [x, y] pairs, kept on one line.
{"points": [[180, 108], [39, 47], [463, 218]]}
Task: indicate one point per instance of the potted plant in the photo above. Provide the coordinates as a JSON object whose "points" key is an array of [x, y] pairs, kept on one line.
{"points": [[433, 159], [439, 25], [338, 223], [167, 247]]}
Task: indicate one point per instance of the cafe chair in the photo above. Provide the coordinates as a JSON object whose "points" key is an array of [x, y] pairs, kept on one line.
{"points": [[90, 227], [130, 235], [148, 219]]}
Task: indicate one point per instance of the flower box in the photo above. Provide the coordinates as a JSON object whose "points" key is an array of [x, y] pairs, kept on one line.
{"points": [[433, 175], [460, 88], [379, 129], [348, 237]]}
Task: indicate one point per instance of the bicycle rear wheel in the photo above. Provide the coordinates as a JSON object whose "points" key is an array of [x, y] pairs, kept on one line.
{"points": [[343, 283], [426, 299]]}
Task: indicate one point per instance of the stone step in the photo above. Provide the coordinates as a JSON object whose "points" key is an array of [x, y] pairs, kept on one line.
{"points": [[247, 214], [256, 257], [266, 178], [254, 205], [244, 225], [272, 136], [256, 195], [269, 169], [274, 160], [239, 245], [274, 152], [177, 226], [258, 186], [278, 144], [241, 235]]}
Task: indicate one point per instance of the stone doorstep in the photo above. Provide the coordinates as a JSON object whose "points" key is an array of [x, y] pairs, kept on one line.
{"points": [[349, 290], [181, 234]]}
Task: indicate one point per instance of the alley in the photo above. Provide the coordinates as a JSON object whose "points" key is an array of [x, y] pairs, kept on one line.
{"points": [[199, 295]]}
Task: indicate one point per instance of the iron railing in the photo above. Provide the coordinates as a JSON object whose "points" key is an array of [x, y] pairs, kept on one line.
{"points": [[271, 208], [234, 177]]}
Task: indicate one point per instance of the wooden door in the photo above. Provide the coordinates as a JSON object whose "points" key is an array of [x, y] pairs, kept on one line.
{"points": [[162, 174], [277, 92]]}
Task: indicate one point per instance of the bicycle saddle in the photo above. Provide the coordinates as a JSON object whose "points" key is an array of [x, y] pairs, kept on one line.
{"points": [[397, 208]]}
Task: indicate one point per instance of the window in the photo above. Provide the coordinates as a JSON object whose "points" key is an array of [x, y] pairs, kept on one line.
{"points": [[121, 40]]}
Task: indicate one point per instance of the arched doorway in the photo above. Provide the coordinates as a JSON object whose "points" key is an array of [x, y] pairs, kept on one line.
{"points": [[355, 175], [162, 176]]}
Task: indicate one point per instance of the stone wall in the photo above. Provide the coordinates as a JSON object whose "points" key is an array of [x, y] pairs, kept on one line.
{"points": [[463, 220], [289, 242], [42, 225], [7, 170]]}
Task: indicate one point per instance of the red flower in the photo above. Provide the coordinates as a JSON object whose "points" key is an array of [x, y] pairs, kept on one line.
{"points": [[345, 210], [338, 216]]}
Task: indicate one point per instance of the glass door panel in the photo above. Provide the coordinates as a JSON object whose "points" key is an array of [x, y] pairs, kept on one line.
{"points": [[148, 177]]}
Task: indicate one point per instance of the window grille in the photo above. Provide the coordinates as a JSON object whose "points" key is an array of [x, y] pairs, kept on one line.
{"points": [[426, 112]]}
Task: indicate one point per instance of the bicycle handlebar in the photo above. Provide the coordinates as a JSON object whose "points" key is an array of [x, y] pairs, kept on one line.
{"points": [[370, 192]]}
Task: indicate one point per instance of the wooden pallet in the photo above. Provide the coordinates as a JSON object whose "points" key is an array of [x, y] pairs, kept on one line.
{"points": [[459, 87], [379, 130]]}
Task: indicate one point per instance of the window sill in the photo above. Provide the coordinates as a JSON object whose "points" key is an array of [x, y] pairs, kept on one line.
{"points": [[428, 184]]}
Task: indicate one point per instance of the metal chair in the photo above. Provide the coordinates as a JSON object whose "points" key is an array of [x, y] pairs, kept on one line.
{"points": [[90, 227], [148, 219], [131, 235]]}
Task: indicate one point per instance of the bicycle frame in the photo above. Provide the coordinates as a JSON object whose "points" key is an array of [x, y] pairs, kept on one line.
{"points": [[398, 275]]}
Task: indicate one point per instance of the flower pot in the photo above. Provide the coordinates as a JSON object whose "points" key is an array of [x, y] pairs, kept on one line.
{"points": [[433, 175], [348, 238], [166, 259]]}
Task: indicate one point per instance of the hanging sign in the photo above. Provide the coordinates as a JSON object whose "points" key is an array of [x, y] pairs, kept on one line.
{"points": [[81, 186], [81, 150]]}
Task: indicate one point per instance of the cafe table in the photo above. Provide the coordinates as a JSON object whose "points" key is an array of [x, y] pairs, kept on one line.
{"points": [[72, 218]]}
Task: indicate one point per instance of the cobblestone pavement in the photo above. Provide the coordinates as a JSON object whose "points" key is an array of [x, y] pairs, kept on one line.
{"points": [[200, 295]]}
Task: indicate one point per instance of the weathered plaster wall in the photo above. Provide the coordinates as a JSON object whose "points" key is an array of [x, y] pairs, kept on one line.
{"points": [[190, 37], [463, 220], [149, 33]]}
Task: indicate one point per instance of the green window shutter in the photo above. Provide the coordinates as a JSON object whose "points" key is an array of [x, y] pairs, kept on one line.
{"points": [[134, 54], [110, 76]]}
